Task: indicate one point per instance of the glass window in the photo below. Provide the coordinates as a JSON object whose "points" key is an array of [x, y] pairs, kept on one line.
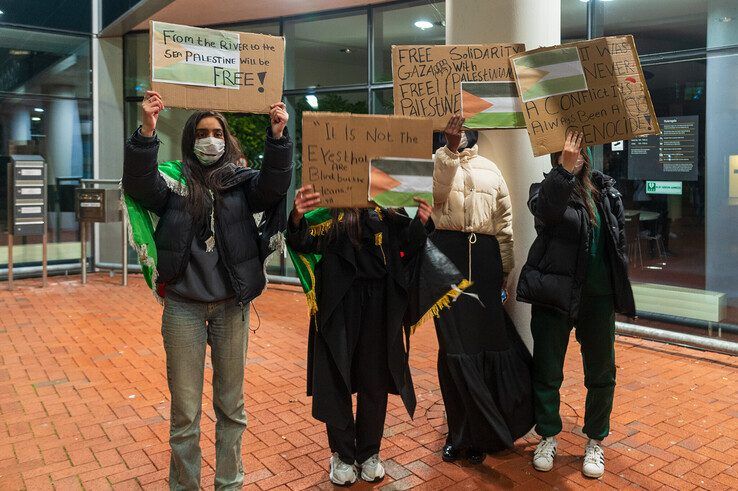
{"points": [[112, 9], [573, 20], [659, 25], [681, 264], [326, 50], [407, 23], [66, 15], [59, 130], [33, 62], [383, 102]]}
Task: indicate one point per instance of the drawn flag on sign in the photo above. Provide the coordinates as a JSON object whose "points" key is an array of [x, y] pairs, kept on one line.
{"points": [[395, 182], [491, 105], [547, 73]]}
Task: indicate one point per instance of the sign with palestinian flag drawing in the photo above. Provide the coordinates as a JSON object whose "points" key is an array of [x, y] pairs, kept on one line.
{"points": [[338, 149], [491, 105], [199, 68], [396, 182], [427, 79], [595, 87]]}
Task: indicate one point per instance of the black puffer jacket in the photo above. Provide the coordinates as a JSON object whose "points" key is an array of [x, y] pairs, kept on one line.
{"points": [[240, 244], [556, 269]]}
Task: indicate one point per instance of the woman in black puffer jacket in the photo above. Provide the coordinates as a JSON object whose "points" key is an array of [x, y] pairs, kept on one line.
{"points": [[576, 275]]}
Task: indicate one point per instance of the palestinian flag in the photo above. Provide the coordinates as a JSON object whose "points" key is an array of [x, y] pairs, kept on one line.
{"points": [[491, 105], [393, 183], [549, 72]]}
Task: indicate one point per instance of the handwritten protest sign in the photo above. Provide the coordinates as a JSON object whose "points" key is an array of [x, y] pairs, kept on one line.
{"points": [[200, 68], [427, 79], [610, 102], [337, 149]]}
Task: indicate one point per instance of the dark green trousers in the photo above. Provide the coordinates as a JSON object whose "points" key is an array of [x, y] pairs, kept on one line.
{"points": [[595, 333]]}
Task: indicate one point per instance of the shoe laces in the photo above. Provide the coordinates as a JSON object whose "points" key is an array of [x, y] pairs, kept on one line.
{"points": [[546, 448], [594, 454], [340, 465]]}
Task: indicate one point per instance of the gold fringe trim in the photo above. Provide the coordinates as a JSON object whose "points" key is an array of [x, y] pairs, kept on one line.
{"points": [[442, 303], [320, 228], [378, 239], [312, 302]]}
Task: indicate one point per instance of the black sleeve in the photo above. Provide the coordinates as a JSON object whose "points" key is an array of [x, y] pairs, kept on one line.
{"points": [[619, 211], [275, 176], [549, 199], [141, 178], [301, 240], [412, 234]]}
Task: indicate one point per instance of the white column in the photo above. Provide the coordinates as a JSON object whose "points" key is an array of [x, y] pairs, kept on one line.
{"points": [[20, 124], [63, 142], [535, 23]]}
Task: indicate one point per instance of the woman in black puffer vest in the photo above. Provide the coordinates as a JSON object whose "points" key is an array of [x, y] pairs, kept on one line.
{"points": [[576, 275]]}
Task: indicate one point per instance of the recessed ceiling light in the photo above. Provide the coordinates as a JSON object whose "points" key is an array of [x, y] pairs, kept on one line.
{"points": [[19, 52], [345, 50], [725, 19], [1, 12], [312, 101], [423, 24], [38, 109], [35, 118]]}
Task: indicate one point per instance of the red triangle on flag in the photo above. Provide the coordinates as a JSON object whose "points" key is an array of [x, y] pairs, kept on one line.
{"points": [[472, 104], [381, 182]]}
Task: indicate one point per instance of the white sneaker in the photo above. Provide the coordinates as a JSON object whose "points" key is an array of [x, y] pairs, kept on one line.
{"points": [[342, 474], [372, 469], [543, 457], [594, 460]]}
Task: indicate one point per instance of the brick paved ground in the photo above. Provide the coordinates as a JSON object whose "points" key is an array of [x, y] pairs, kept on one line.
{"points": [[83, 404]]}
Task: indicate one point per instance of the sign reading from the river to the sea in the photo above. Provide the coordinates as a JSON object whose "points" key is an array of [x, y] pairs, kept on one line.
{"points": [[200, 68]]}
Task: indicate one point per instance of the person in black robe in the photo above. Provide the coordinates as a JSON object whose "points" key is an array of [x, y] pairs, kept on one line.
{"points": [[358, 342]]}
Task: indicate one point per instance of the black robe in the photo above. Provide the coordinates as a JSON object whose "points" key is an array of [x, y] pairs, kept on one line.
{"points": [[329, 364]]}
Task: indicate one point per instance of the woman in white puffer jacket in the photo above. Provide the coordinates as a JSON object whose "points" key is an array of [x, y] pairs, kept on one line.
{"points": [[484, 368]]}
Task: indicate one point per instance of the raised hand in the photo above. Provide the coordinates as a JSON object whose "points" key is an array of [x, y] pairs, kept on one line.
{"points": [[151, 106], [571, 157], [305, 200], [278, 117], [453, 132], [424, 210]]}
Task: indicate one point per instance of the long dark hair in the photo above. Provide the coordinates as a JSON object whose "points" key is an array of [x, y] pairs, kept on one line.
{"points": [[584, 188], [200, 178]]}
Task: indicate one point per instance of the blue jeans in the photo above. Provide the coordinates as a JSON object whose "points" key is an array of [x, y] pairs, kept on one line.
{"points": [[186, 328]]}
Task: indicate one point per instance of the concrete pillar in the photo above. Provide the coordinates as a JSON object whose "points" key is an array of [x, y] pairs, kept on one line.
{"points": [[535, 23], [721, 118], [20, 125]]}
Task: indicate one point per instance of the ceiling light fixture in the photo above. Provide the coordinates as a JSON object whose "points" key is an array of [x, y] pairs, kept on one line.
{"points": [[345, 50], [312, 101], [1, 12], [725, 19], [38, 109], [35, 118], [19, 52], [423, 24]]}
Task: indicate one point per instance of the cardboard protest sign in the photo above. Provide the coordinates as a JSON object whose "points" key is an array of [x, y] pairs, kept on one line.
{"points": [[596, 87], [397, 182], [427, 79], [198, 68], [337, 149], [491, 105]]}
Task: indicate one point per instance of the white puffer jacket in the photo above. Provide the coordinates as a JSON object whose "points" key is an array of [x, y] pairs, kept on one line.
{"points": [[470, 195]]}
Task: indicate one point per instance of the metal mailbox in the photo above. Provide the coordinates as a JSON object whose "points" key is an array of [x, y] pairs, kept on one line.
{"points": [[98, 205]]}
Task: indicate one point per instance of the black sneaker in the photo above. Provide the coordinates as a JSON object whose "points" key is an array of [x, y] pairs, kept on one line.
{"points": [[450, 453]]}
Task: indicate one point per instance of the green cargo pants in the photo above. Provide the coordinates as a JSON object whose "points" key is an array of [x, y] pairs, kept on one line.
{"points": [[595, 333]]}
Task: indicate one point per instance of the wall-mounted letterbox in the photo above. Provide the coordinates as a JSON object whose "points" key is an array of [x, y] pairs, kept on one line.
{"points": [[27, 195], [97, 205]]}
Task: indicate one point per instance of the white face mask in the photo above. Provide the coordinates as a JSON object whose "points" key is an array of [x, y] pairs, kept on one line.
{"points": [[209, 150]]}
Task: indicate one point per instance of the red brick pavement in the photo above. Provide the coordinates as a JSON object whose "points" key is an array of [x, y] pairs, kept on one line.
{"points": [[84, 404]]}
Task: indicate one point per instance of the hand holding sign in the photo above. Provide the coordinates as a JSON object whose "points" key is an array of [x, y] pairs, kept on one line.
{"points": [[424, 210], [453, 133], [305, 200], [571, 157], [151, 106], [278, 116]]}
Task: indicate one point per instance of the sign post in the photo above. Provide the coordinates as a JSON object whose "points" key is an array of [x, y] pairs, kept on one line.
{"points": [[27, 206]]}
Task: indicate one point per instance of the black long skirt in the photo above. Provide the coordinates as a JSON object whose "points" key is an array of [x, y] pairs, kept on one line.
{"points": [[484, 368]]}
